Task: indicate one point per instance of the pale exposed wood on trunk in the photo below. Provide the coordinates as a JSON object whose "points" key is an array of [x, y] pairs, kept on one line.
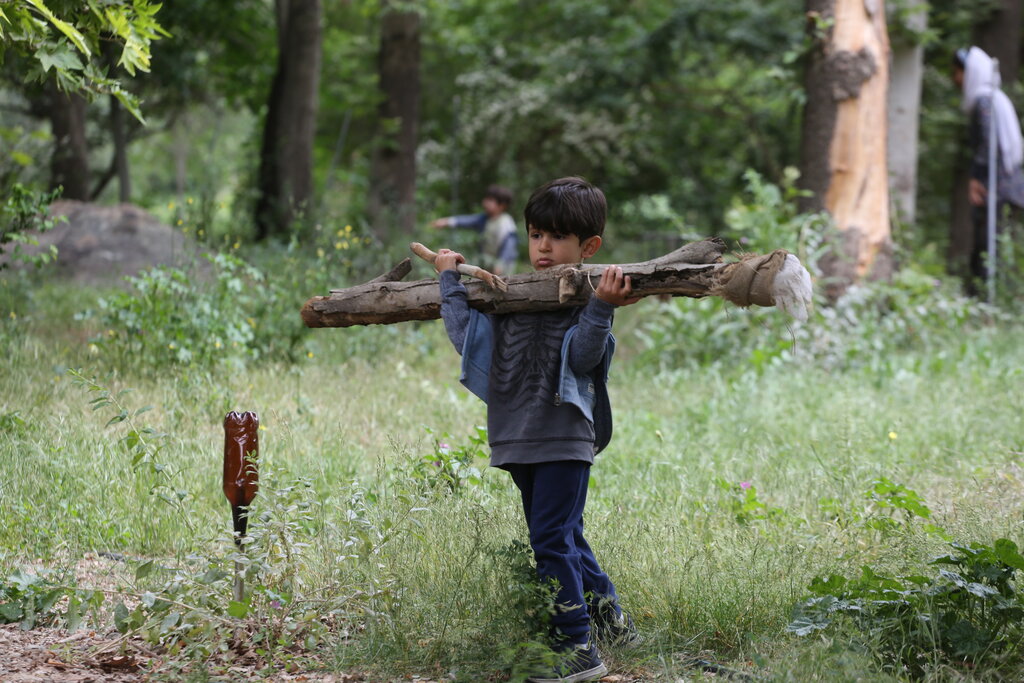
{"points": [[692, 270], [843, 151]]}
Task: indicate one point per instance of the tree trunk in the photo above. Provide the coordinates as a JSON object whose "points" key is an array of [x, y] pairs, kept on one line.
{"points": [[999, 35], [694, 270], [181, 145], [843, 146], [286, 159], [392, 198], [120, 136], [69, 166], [904, 112]]}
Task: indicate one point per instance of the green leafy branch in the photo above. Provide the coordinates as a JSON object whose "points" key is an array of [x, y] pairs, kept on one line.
{"points": [[143, 443], [63, 42]]}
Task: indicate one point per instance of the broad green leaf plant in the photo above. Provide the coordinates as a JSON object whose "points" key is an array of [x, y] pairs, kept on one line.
{"points": [[61, 39]]}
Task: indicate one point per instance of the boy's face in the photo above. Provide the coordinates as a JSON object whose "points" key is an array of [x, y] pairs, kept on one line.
{"points": [[549, 249]]}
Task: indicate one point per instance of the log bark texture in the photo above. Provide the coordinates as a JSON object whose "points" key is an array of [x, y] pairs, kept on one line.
{"points": [[692, 270]]}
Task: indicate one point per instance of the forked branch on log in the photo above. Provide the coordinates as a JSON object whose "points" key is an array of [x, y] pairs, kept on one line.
{"points": [[694, 270]]}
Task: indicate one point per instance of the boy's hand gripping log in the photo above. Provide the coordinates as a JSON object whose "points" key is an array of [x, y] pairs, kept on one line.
{"points": [[492, 280]]}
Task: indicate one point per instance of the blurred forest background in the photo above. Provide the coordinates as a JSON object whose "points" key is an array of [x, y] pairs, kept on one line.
{"points": [[275, 118], [767, 477]]}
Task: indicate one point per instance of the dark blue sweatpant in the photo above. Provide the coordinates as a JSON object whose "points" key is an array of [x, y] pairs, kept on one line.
{"points": [[554, 495]]}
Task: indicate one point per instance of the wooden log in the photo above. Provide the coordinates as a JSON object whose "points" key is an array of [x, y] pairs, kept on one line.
{"points": [[693, 270]]}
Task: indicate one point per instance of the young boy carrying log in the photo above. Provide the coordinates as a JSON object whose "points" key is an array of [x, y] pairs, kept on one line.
{"points": [[543, 377]]}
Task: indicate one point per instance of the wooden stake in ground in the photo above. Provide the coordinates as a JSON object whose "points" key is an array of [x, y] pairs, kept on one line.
{"points": [[694, 270], [241, 477]]}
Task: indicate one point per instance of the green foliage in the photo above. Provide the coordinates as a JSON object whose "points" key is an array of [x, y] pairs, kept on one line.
{"points": [[23, 211], [530, 597], [143, 444], [34, 599], [743, 503], [172, 317], [913, 310], [189, 610], [450, 466], [766, 218], [969, 613], [62, 39]]}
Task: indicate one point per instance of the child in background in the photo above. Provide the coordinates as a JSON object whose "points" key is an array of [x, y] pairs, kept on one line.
{"points": [[543, 377], [496, 227]]}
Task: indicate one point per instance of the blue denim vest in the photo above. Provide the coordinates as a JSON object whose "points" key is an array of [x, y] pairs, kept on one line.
{"points": [[586, 392]]}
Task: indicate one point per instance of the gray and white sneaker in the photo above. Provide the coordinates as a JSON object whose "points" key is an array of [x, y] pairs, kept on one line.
{"points": [[578, 663]]}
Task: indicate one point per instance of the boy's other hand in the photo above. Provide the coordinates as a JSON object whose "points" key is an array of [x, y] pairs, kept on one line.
{"points": [[440, 223], [615, 288], [447, 260]]}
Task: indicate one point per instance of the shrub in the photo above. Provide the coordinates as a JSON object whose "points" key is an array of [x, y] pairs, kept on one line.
{"points": [[970, 612]]}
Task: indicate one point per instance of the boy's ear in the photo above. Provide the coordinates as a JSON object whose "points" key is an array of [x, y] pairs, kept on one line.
{"points": [[591, 245]]}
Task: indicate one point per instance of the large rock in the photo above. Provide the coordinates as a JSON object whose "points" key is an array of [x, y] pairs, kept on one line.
{"points": [[100, 244]]}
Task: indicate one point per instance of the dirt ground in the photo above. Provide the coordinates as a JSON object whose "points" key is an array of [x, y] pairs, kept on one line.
{"points": [[89, 656], [48, 654]]}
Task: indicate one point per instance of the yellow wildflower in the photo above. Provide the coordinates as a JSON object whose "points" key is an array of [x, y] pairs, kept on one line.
{"points": [[337, 245], [13, 316], [263, 428], [236, 245], [309, 354], [180, 222], [189, 200], [217, 344], [348, 228], [170, 206], [892, 436]]}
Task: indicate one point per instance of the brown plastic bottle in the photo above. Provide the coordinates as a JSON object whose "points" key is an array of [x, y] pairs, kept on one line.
{"points": [[241, 475]]}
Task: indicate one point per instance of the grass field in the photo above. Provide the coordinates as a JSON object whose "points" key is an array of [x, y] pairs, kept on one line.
{"points": [[730, 484]]}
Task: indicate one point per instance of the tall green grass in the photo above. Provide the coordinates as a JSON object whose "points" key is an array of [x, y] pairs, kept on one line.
{"points": [[434, 582]]}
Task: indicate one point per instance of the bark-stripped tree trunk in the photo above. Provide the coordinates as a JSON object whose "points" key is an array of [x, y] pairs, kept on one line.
{"points": [[904, 110], [843, 146], [69, 166], [392, 198], [286, 159]]}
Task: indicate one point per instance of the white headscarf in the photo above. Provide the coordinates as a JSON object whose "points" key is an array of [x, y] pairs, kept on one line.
{"points": [[981, 79]]}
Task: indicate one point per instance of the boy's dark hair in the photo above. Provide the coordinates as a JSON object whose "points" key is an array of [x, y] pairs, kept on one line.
{"points": [[500, 194], [960, 58], [570, 206]]}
